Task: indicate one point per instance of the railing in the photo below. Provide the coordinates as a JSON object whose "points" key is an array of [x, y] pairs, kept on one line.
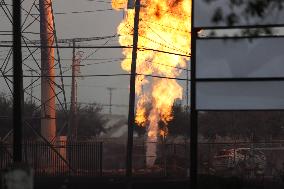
{"points": [[94, 158], [62, 158]]}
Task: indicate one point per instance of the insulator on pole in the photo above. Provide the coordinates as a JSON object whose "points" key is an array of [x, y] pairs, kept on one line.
{"points": [[130, 4]]}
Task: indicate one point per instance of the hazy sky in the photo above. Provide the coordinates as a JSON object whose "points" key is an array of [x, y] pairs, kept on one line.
{"points": [[71, 25], [99, 20]]}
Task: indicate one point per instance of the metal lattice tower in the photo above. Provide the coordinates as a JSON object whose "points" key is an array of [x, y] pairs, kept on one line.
{"points": [[38, 34]]}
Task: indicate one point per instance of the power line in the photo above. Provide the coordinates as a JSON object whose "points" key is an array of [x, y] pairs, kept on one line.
{"points": [[102, 47], [82, 12], [68, 40], [161, 44], [71, 12], [186, 32], [174, 47], [115, 34], [114, 60], [101, 75], [100, 86]]}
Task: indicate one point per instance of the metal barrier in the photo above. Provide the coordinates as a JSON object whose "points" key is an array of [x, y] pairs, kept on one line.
{"points": [[60, 159], [85, 158]]}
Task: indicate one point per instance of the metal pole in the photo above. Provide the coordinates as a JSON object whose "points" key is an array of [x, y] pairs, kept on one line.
{"points": [[18, 96], [110, 100], [193, 111], [32, 80], [187, 88], [101, 158], [187, 116], [131, 113]]}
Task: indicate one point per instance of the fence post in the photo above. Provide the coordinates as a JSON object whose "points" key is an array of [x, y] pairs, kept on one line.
{"points": [[101, 158], [35, 157], [165, 156], [1, 154], [25, 151]]}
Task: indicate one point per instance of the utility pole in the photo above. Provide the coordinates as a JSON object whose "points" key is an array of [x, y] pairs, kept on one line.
{"points": [[72, 129], [187, 88], [110, 89], [131, 113], [187, 114], [48, 119], [18, 94], [193, 110]]}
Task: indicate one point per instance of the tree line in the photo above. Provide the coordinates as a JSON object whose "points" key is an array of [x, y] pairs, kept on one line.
{"points": [[89, 119], [252, 125], [256, 125]]}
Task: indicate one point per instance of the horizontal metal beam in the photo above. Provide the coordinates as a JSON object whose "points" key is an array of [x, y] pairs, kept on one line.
{"points": [[260, 26], [248, 79]]}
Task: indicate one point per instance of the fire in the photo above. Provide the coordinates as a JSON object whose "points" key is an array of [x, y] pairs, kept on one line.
{"points": [[164, 25]]}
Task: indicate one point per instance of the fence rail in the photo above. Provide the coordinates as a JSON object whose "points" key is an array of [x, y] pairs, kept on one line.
{"points": [[97, 158], [62, 158]]}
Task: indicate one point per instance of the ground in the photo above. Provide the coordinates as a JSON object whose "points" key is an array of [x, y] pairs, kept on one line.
{"points": [[205, 182]]}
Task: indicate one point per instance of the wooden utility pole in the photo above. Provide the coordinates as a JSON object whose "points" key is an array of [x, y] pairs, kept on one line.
{"points": [[131, 113]]}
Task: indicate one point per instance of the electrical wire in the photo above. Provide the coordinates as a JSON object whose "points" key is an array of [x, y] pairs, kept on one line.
{"points": [[101, 75]]}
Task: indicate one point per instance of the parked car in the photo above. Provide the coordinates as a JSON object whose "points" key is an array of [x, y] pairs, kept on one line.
{"points": [[239, 161]]}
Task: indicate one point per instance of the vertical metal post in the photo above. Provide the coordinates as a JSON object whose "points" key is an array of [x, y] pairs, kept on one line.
{"points": [[110, 100], [2, 154], [18, 96], [193, 111], [101, 158], [131, 113], [165, 155], [187, 88]]}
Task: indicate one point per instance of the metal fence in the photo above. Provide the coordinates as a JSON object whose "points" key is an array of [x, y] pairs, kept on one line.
{"points": [[172, 159], [94, 158], [238, 158], [62, 158]]}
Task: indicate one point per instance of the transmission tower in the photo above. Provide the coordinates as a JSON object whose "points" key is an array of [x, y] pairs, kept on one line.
{"points": [[38, 25], [31, 85], [73, 119], [110, 89]]}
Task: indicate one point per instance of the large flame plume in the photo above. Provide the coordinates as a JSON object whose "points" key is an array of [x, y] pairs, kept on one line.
{"points": [[164, 25]]}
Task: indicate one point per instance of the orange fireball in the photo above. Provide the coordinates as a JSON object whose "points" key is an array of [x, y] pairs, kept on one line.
{"points": [[164, 25]]}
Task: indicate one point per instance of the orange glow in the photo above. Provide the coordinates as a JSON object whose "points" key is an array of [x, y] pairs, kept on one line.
{"points": [[118, 4], [164, 25]]}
